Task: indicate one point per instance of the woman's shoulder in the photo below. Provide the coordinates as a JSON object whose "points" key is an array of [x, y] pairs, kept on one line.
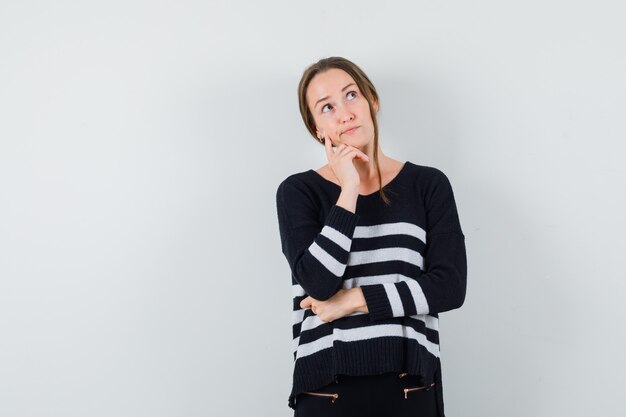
{"points": [[296, 178], [296, 184], [426, 173]]}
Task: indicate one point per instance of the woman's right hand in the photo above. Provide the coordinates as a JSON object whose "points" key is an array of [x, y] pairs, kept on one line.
{"points": [[340, 161]]}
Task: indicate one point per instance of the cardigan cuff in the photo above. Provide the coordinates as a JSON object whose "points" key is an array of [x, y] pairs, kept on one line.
{"points": [[377, 302], [342, 220]]}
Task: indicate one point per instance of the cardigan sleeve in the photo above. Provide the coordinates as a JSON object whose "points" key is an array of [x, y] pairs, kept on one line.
{"points": [[317, 252], [442, 284]]}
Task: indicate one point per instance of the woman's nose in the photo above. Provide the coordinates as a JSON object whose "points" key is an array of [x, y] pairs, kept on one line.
{"points": [[345, 114]]}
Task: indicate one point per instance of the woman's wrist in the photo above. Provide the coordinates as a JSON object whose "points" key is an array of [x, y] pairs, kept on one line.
{"points": [[358, 301], [347, 198]]}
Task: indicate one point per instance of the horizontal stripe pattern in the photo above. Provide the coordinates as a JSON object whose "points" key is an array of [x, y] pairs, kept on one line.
{"points": [[385, 255], [385, 229], [383, 250], [329, 262], [312, 321], [340, 239], [403, 293], [318, 256], [364, 333], [330, 249]]}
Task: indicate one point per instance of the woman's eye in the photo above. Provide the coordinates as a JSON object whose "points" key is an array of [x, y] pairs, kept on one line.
{"points": [[350, 92]]}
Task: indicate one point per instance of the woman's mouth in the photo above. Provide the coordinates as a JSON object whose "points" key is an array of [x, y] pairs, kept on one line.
{"points": [[350, 131]]}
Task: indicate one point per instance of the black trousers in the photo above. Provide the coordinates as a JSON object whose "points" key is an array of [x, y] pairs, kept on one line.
{"points": [[388, 395]]}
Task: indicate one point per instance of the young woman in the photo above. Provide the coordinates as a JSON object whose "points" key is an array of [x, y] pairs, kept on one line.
{"points": [[376, 252]]}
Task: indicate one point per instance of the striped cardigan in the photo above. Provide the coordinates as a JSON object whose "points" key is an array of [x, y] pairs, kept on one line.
{"points": [[408, 258]]}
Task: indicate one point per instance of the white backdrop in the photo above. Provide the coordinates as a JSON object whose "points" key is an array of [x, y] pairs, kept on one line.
{"points": [[141, 144]]}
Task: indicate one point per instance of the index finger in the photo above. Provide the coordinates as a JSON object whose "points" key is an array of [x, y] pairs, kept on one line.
{"points": [[306, 302], [329, 148]]}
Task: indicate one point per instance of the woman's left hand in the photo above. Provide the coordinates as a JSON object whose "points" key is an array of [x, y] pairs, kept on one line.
{"points": [[343, 303]]}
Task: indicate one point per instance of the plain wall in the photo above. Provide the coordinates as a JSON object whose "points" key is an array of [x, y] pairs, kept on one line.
{"points": [[141, 144]]}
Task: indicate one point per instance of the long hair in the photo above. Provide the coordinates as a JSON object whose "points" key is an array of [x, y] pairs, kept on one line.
{"points": [[362, 81]]}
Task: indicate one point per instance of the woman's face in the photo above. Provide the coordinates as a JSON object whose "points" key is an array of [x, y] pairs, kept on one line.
{"points": [[337, 105]]}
